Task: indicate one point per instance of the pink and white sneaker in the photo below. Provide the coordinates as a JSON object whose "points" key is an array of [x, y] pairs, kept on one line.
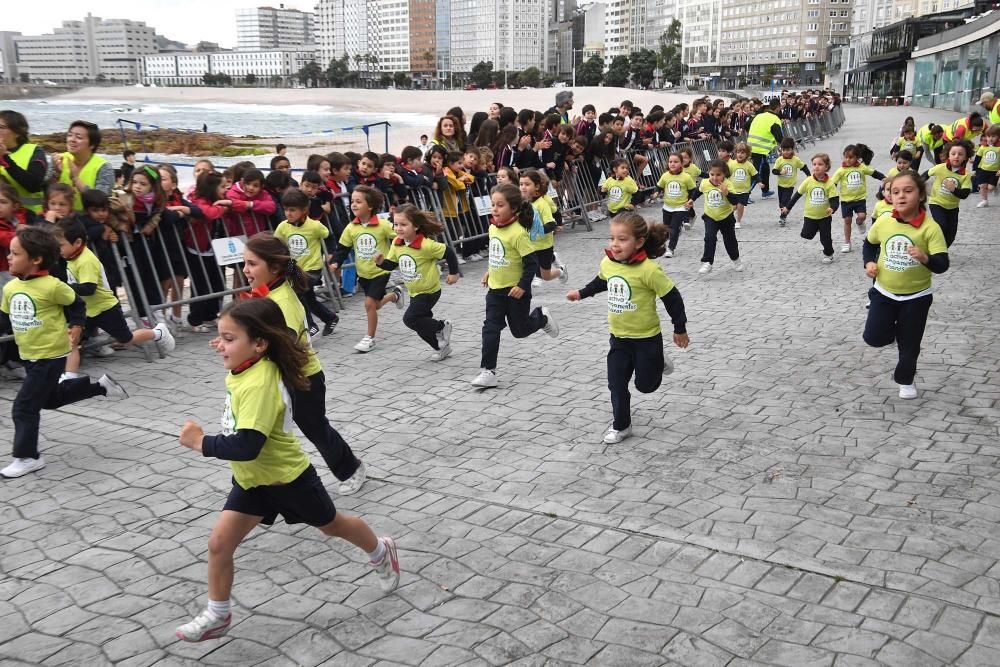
{"points": [[388, 568], [205, 625]]}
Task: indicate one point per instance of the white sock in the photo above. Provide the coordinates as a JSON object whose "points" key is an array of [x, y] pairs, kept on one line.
{"points": [[219, 607], [157, 334], [379, 553], [70, 375]]}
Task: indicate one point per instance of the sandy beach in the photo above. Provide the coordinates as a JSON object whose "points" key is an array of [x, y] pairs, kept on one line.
{"points": [[374, 102]]}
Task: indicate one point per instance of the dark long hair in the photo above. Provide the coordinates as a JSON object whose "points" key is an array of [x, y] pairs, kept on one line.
{"points": [[275, 254], [512, 193], [262, 319]]}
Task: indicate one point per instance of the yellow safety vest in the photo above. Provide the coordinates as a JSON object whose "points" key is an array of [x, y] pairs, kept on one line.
{"points": [[88, 175], [925, 137], [995, 113], [30, 200], [950, 132], [759, 135]]}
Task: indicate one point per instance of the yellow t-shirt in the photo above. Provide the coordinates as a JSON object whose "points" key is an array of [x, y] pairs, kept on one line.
{"points": [[908, 145], [989, 158], [816, 196], [898, 273], [788, 171], [852, 182], [717, 206], [257, 400], [675, 190], [693, 170], [295, 319], [419, 266], [35, 307], [940, 175], [620, 192], [881, 208], [86, 268], [632, 293], [304, 242], [546, 211], [508, 245], [741, 176], [368, 240]]}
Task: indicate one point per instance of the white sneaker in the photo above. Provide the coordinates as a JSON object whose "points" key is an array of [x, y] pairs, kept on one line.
{"points": [[114, 391], [781, 222], [12, 371], [827, 259], [983, 204], [175, 322], [354, 483], [441, 353], [668, 364], [668, 253], [613, 437], [706, 267], [536, 282], [102, 351], [388, 569], [861, 224], [845, 248], [686, 224], [474, 257], [205, 625], [461, 260], [551, 326], [737, 265], [402, 297], [21, 467], [563, 274], [366, 344], [444, 336], [907, 391], [739, 226], [485, 379], [166, 342]]}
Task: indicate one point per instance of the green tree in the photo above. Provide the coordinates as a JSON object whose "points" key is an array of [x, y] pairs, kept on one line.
{"points": [[669, 57], [642, 66], [482, 74], [618, 72], [402, 80], [275, 81], [548, 80], [250, 79], [338, 71], [310, 74], [223, 80], [531, 77], [770, 72], [208, 78], [591, 71], [385, 80]]}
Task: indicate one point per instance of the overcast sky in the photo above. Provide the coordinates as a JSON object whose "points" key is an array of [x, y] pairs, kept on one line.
{"points": [[189, 21]]}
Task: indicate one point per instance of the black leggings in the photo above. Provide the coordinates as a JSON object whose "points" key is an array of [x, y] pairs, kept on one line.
{"points": [[205, 279], [725, 227], [503, 311], [419, 316], [674, 221], [947, 219], [760, 163], [810, 227], [41, 389], [900, 321], [309, 414], [644, 358], [312, 305]]}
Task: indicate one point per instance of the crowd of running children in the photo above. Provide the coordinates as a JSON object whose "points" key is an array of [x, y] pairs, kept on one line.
{"points": [[61, 282]]}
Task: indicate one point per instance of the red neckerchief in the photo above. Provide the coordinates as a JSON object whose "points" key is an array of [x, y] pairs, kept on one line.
{"points": [[960, 171], [417, 241], [263, 291], [36, 274], [245, 365], [76, 254], [634, 259], [501, 225], [364, 180], [826, 177], [916, 221], [371, 223]]}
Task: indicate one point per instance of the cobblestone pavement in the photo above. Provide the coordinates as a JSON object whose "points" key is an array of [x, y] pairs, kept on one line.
{"points": [[778, 505]]}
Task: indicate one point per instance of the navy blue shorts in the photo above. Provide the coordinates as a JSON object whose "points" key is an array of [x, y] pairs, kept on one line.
{"points": [[303, 500], [113, 322], [740, 199], [850, 208], [546, 257], [374, 288], [986, 177]]}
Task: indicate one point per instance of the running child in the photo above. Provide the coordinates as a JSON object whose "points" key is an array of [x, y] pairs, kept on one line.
{"points": [[718, 216], [850, 176], [820, 206], [987, 163], [620, 187], [271, 272], [741, 179], [533, 185], [87, 278], [416, 255], [900, 252], [512, 265], [693, 170], [368, 235], [908, 142], [948, 184], [634, 282], [271, 473], [304, 237], [784, 168], [34, 306], [904, 162], [884, 204], [678, 191]]}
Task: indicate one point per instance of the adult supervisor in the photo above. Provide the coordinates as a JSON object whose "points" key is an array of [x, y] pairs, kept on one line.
{"points": [[763, 136], [967, 127], [564, 102], [79, 167], [23, 165], [992, 105]]}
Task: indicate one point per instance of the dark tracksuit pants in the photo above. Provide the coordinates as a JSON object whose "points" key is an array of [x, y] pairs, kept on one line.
{"points": [[763, 168], [900, 321], [784, 196], [419, 316], [312, 304], [725, 227], [810, 227], [41, 389], [503, 311], [205, 279], [642, 357], [947, 219], [309, 414], [674, 221]]}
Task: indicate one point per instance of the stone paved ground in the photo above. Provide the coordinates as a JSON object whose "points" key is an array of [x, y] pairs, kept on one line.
{"points": [[778, 505]]}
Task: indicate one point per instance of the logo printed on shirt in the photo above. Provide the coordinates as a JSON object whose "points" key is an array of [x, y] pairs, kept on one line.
{"points": [[715, 198], [620, 296], [786, 169], [615, 193], [673, 189], [365, 246], [854, 180], [228, 418], [298, 245], [740, 174], [498, 254], [817, 196], [23, 313], [989, 157], [408, 269], [897, 256]]}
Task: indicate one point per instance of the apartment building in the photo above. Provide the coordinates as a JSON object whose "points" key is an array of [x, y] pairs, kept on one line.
{"points": [[261, 28], [188, 69]]}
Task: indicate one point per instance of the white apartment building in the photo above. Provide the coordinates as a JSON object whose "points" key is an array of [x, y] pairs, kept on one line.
{"points": [[261, 28], [188, 69], [593, 30], [88, 50], [8, 57], [700, 24], [631, 25], [510, 34]]}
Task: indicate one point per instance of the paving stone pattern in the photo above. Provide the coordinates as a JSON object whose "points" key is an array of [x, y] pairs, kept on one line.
{"points": [[778, 504]]}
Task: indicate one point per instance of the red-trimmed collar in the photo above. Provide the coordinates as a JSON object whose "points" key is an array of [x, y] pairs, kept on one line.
{"points": [[37, 274], [916, 221], [262, 291], [960, 171], [826, 177], [77, 253], [501, 225], [245, 365], [371, 223], [417, 241], [639, 256]]}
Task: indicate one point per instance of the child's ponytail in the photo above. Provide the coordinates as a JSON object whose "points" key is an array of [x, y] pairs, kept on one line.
{"points": [[262, 319], [275, 253], [512, 194], [655, 234]]}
